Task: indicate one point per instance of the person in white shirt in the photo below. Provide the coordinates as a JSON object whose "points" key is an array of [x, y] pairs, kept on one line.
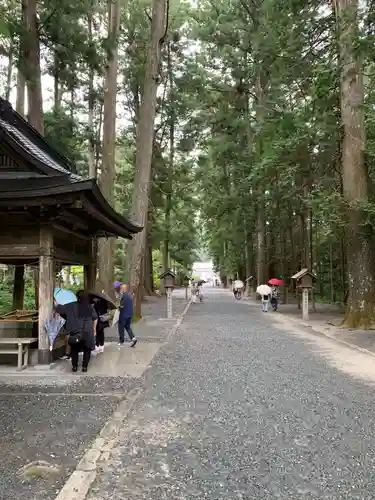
{"points": [[265, 302], [193, 292]]}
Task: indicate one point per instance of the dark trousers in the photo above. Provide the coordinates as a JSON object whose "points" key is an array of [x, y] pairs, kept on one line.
{"points": [[75, 350], [100, 337], [125, 324]]}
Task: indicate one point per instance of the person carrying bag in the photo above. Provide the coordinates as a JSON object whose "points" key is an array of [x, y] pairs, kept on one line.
{"points": [[81, 320]]}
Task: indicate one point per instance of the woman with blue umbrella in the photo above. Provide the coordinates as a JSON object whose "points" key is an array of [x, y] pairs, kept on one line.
{"points": [[63, 297], [81, 321]]}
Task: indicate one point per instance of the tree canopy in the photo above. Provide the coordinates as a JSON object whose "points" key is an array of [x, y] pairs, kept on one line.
{"points": [[259, 117]]}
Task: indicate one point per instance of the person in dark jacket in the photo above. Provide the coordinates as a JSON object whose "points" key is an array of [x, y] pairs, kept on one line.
{"points": [[80, 318], [101, 309], [125, 318]]}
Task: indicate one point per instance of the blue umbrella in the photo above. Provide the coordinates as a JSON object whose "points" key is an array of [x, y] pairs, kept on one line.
{"points": [[53, 327], [63, 296]]}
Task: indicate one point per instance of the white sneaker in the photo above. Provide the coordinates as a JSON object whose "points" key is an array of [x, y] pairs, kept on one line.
{"points": [[101, 348], [133, 342]]}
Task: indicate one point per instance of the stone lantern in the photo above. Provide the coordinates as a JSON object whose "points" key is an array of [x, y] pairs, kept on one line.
{"points": [[304, 280], [168, 279], [186, 286]]}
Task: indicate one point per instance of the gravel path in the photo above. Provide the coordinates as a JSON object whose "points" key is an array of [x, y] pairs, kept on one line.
{"points": [[54, 418], [50, 428], [237, 408]]}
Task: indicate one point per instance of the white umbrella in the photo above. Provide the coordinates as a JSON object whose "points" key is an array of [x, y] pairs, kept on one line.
{"points": [[116, 317], [264, 290]]}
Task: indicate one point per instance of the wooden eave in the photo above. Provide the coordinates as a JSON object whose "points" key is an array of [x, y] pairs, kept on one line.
{"points": [[84, 199], [301, 273], [53, 191]]}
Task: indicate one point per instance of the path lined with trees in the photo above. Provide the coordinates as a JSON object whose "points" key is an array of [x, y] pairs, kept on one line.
{"points": [[244, 128], [243, 409]]}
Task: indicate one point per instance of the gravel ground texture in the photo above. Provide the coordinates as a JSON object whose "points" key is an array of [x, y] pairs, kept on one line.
{"points": [[236, 407], [326, 319], [53, 429], [54, 418]]}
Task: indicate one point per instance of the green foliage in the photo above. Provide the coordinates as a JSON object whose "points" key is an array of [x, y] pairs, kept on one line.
{"points": [[282, 153], [236, 151], [64, 135], [5, 298], [6, 293]]}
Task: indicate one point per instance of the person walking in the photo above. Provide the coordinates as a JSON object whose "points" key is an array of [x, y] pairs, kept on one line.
{"points": [[81, 321], [125, 317], [200, 292], [238, 287], [101, 309], [194, 292], [274, 297], [265, 302]]}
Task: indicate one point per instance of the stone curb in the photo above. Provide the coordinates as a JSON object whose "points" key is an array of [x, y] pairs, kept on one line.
{"points": [[329, 336], [78, 484], [80, 481], [174, 329]]}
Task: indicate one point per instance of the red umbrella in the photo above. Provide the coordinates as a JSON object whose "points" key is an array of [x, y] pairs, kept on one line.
{"points": [[276, 281]]}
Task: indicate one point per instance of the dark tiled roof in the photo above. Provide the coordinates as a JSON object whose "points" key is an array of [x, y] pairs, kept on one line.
{"points": [[32, 149], [58, 179]]}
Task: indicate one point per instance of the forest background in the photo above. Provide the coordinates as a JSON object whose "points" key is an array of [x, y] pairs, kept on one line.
{"points": [[240, 130]]}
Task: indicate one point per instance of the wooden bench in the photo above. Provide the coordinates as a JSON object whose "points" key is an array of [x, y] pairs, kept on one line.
{"points": [[22, 349]]}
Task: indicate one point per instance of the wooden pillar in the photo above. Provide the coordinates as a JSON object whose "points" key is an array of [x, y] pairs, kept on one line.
{"points": [[46, 286], [89, 270], [19, 287]]}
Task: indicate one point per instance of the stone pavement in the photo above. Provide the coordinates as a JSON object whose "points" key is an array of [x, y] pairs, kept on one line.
{"points": [[154, 323], [53, 415], [239, 406], [326, 321]]}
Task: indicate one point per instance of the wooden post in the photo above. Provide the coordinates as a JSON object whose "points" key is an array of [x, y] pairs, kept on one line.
{"points": [[89, 270], [332, 292], [89, 276], [286, 291], [46, 285], [305, 304], [18, 287]]}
